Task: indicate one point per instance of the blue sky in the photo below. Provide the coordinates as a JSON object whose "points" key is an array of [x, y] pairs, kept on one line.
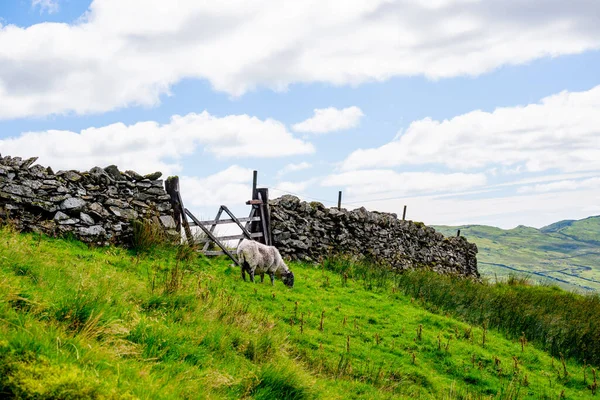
{"points": [[466, 111]]}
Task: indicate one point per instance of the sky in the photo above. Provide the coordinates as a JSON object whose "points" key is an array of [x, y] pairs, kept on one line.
{"points": [[466, 111]]}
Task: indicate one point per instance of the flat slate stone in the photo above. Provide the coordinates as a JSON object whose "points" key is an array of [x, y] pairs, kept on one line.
{"points": [[97, 209], [60, 216], [72, 203], [18, 190], [124, 212], [153, 176], [72, 176], [86, 219], [167, 221], [95, 230]]}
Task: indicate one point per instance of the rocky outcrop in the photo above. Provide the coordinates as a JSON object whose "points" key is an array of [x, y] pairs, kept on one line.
{"points": [[309, 231], [97, 206]]}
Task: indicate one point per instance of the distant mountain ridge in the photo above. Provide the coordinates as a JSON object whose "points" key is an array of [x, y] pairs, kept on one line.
{"points": [[566, 252]]}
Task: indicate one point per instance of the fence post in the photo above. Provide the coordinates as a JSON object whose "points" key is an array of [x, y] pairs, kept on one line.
{"points": [[404, 214], [254, 182], [340, 200], [458, 233]]}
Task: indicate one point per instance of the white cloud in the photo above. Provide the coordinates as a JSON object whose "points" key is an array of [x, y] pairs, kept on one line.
{"points": [[130, 52], [230, 186], [565, 185], [148, 146], [293, 167], [535, 210], [560, 132], [296, 188], [293, 187], [49, 6], [361, 183], [330, 120]]}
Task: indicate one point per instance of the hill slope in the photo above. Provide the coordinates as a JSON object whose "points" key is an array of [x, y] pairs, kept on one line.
{"points": [[566, 252], [108, 323]]}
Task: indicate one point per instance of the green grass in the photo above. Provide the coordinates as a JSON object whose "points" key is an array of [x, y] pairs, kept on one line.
{"points": [[109, 323], [565, 253]]}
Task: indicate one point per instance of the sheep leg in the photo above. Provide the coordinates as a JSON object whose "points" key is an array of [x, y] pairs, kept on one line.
{"points": [[272, 276], [252, 276], [262, 277], [245, 267]]}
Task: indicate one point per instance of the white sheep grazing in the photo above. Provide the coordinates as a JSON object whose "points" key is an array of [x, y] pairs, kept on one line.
{"points": [[257, 258]]}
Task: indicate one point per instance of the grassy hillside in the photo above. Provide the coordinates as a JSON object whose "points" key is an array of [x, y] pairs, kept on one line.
{"points": [[110, 323], [566, 253]]}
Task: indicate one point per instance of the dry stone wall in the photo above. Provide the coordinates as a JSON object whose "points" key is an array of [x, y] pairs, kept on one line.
{"points": [[308, 231], [96, 206]]}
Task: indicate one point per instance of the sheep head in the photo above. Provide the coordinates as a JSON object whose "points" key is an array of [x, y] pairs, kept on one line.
{"points": [[288, 279]]}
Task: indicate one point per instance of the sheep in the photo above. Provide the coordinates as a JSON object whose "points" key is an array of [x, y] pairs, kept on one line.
{"points": [[259, 258]]}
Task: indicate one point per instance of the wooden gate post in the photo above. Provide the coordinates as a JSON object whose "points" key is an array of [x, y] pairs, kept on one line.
{"points": [[265, 215], [172, 188], [171, 185]]}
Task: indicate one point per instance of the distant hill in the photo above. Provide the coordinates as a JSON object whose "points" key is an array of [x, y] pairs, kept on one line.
{"points": [[565, 252]]}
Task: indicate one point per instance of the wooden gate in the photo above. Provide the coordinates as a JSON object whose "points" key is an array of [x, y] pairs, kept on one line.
{"points": [[257, 225]]}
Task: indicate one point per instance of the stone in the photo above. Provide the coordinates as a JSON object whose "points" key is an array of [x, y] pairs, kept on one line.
{"points": [[70, 221], [51, 182], [86, 219], [133, 175], [153, 176], [99, 175], [19, 190], [163, 207], [167, 221], [72, 203], [124, 212], [72, 176], [96, 230], [44, 205], [143, 184], [60, 216], [116, 202], [155, 191], [113, 172], [142, 196], [58, 199], [98, 210], [139, 204], [34, 185]]}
